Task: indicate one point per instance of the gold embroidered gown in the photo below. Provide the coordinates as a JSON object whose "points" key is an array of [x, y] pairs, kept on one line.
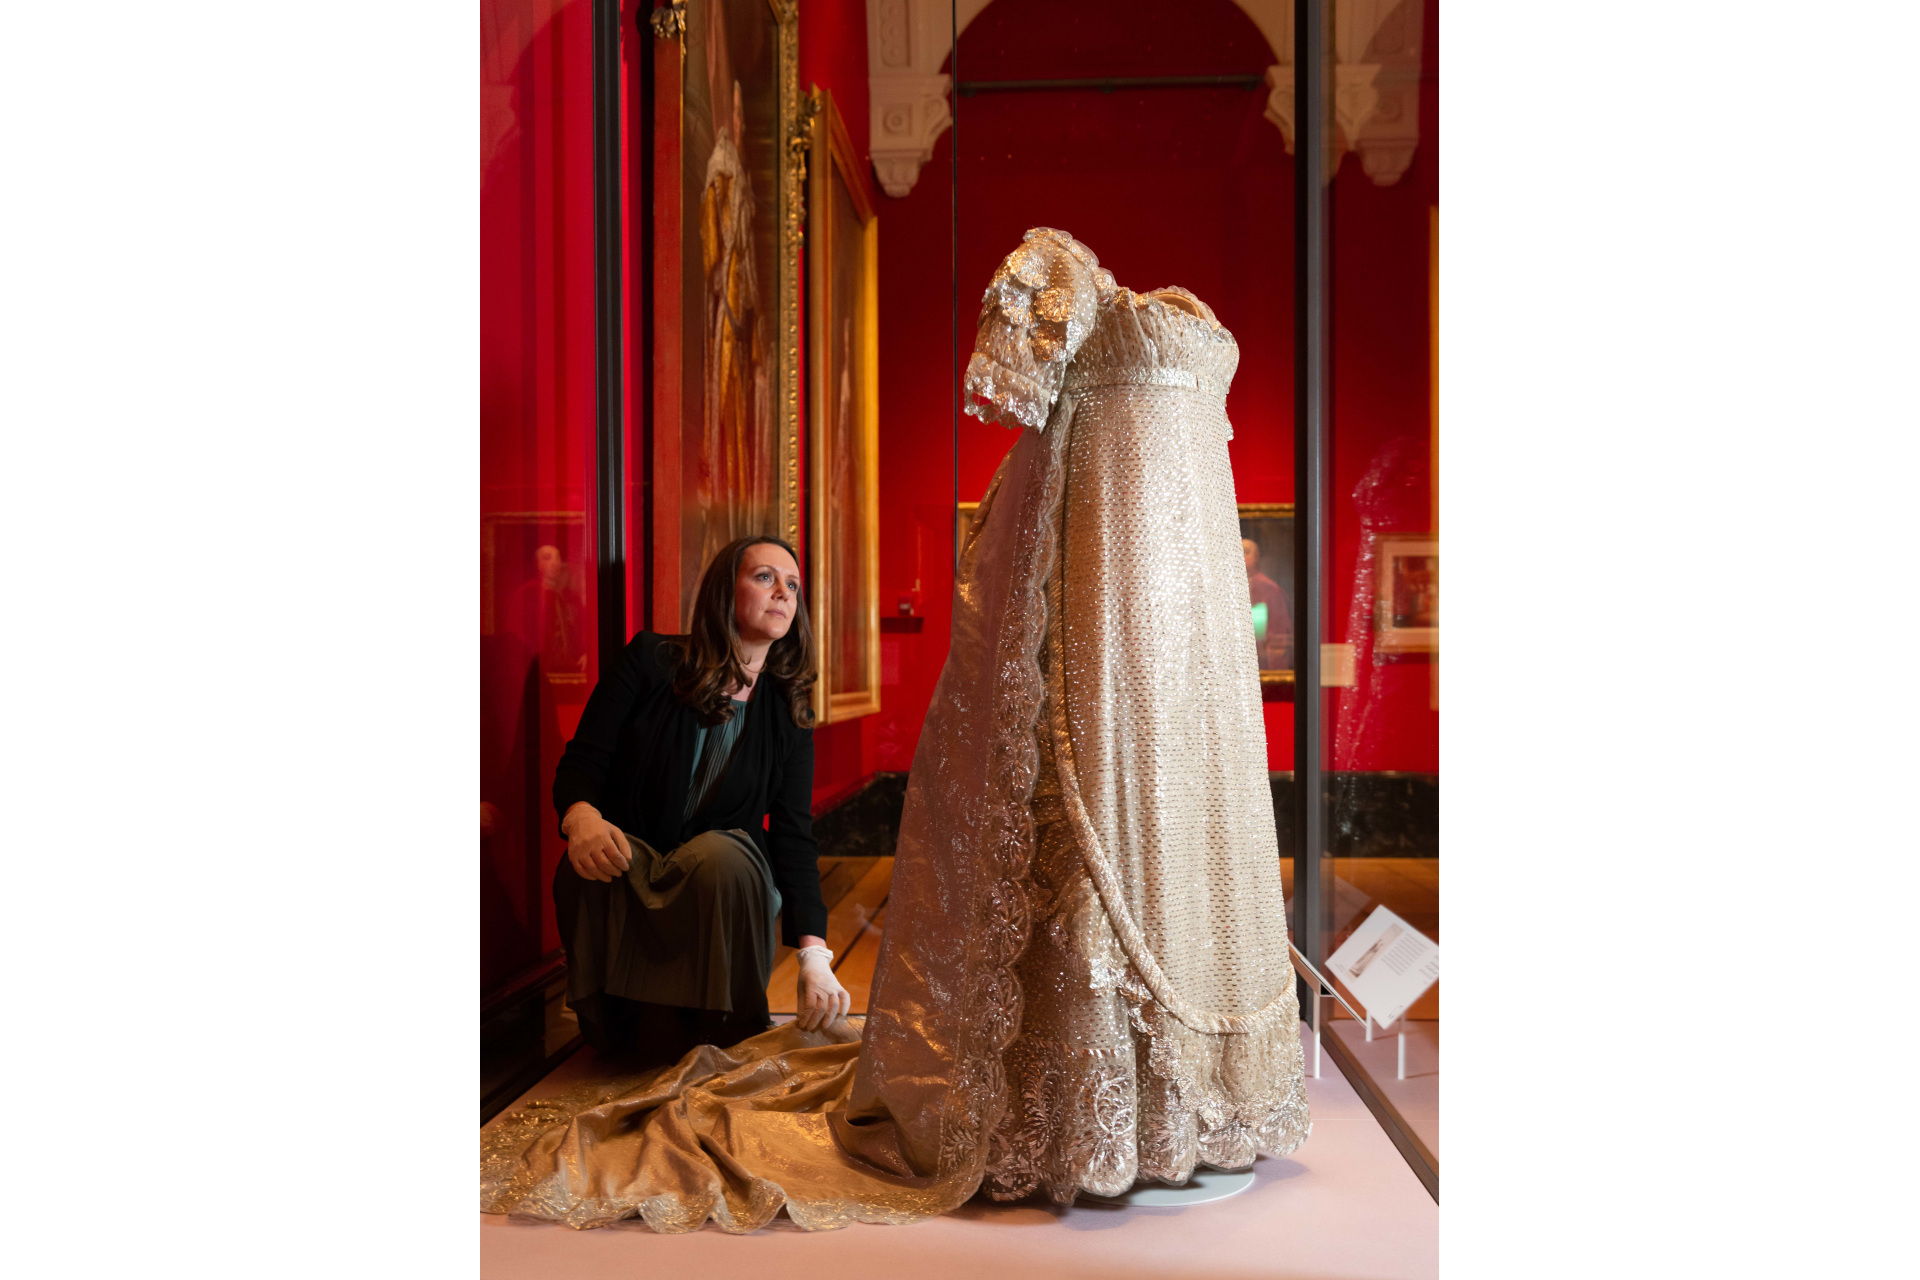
{"points": [[1084, 980]]}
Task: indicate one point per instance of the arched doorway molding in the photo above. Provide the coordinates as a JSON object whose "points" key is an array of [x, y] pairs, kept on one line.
{"points": [[1376, 107]]}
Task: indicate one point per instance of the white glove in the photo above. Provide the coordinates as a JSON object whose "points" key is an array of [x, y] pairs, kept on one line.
{"points": [[822, 1000]]}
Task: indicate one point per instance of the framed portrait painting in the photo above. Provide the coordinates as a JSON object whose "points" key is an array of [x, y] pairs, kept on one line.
{"points": [[1406, 594], [724, 292], [535, 572], [843, 548], [1266, 544]]}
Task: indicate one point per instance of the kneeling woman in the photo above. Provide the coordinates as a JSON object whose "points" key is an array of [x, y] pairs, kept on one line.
{"points": [[668, 894]]}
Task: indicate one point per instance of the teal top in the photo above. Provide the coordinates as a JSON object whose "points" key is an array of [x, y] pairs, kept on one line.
{"points": [[711, 748]]}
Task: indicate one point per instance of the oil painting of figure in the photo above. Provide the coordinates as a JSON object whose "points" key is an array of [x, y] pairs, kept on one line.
{"points": [[1266, 544], [1416, 591], [730, 193], [847, 497]]}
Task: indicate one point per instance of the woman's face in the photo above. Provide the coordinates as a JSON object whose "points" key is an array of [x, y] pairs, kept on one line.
{"points": [[766, 595]]}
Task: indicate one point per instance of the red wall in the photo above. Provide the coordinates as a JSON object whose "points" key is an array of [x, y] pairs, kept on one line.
{"points": [[833, 56], [1188, 186], [536, 443], [1381, 433]]}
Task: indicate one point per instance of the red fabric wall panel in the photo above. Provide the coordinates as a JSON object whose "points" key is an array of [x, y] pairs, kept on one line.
{"points": [[1381, 429], [536, 450], [1174, 186], [536, 260], [833, 56]]}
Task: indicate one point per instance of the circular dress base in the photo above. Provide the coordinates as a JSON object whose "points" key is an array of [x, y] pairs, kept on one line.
{"points": [[1206, 1185]]}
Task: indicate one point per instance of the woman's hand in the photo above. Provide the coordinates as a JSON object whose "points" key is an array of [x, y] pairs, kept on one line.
{"points": [[822, 1000], [597, 848]]}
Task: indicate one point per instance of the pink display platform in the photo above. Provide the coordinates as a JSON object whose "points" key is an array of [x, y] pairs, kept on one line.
{"points": [[1343, 1207]]}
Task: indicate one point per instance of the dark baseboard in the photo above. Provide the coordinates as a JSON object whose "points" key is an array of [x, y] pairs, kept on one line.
{"points": [[1369, 815], [864, 823], [524, 1033]]}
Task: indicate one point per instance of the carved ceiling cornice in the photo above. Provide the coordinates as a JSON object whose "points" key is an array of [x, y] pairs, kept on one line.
{"points": [[1376, 107], [1376, 81], [907, 43]]}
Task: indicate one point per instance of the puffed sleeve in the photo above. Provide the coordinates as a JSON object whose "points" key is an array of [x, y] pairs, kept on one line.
{"points": [[1037, 311]]}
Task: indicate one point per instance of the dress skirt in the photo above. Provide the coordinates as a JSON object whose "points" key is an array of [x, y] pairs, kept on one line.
{"points": [[679, 950]]}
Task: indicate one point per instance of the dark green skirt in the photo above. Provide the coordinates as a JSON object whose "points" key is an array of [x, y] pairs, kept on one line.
{"points": [[684, 940]]}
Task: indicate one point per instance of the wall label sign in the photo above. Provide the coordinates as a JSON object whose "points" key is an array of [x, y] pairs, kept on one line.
{"points": [[1387, 963]]}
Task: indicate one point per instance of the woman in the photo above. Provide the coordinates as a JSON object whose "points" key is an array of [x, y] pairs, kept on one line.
{"points": [[685, 798]]}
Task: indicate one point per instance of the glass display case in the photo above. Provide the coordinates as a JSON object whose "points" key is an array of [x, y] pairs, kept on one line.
{"points": [[539, 468], [1168, 142], [732, 256]]}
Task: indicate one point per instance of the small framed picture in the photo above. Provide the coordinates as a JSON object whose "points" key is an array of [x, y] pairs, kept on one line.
{"points": [[1266, 545], [535, 571], [1406, 593]]}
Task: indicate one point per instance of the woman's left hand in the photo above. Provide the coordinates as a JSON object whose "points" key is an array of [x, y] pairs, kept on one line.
{"points": [[822, 1000]]}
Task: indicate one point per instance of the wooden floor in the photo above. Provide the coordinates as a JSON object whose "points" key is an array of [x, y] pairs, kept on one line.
{"points": [[856, 892]]}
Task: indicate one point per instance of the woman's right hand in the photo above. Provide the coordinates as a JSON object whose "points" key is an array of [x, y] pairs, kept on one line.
{"points": [[597, 848]]}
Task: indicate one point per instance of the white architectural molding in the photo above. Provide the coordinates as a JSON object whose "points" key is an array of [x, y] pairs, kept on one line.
{"points": [[1384, 34], [907, 41], [1280, 100], [1376, 105], [1376, 81], [1354, 96]]}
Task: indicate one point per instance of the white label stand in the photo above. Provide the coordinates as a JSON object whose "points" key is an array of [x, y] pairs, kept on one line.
{"points": [[1401, 1048], [1388, 965]]}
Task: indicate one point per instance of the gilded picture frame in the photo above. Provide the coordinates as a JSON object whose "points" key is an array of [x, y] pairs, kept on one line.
{"points": [[1406, 594], [1269, 527], [727, 162], [843, 423]]}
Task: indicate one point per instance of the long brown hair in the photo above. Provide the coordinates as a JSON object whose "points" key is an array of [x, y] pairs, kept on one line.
{"points": [[710, 663]]}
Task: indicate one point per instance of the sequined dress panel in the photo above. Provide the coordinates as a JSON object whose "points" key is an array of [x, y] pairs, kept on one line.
{"points": [[1159, 1027]]}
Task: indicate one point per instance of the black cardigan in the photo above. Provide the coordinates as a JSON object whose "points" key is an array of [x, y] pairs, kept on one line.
{"points": [[632, 758]]}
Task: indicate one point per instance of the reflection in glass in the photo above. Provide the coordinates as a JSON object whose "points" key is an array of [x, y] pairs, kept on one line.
{"points": [[1382, 567], [537, 556]]}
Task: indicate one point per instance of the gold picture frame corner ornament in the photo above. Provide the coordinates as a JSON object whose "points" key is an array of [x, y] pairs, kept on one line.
{"points": [[669, 21]]}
